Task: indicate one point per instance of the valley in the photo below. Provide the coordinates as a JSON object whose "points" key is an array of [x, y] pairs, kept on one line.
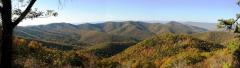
{"points": [[131, 44]]}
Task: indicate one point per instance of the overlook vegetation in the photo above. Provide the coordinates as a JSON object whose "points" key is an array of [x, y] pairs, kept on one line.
{"points": [[193, 48], [125, 44], [168, 50], [161, 51]]}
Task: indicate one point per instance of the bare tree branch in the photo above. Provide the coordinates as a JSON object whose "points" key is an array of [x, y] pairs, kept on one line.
{"points": [[0, 9], [24, 14], [238, 2]]}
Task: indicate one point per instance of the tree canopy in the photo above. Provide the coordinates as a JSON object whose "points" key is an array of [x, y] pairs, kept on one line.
{"points": [[230, 24], [12, 12]]}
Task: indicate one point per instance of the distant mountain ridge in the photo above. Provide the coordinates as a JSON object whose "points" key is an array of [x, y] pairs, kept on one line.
{"points": [[127, 31], [206, 25], [209, 26]]}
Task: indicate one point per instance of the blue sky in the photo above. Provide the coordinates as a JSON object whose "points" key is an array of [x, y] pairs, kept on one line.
{"points": [[82, 11]]}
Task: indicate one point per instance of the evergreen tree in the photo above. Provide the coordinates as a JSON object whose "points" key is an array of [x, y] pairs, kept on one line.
{"points": [[230, 24]]}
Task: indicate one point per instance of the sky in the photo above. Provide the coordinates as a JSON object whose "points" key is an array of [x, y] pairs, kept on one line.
{"points": [[93, 11]]}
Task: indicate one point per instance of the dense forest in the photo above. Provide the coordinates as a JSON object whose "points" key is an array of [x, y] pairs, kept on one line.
{"points": [[128, 43], [199, 49]]}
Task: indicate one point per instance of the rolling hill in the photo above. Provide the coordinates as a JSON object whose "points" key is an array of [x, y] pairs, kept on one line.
{"points": [[131, 44], [216, 36], [127, 31], [170, 51], [209, 26]]}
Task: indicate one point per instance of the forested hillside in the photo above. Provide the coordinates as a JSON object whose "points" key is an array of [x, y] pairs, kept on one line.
{"points": [[164, 50], [170, 51], [128, 31], [124, 44]]}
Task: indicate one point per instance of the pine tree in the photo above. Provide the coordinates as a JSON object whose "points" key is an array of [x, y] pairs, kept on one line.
{"points": [[230, 24]]}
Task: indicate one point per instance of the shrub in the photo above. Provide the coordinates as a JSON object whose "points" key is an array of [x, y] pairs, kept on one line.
{"points": [[34, 45]]}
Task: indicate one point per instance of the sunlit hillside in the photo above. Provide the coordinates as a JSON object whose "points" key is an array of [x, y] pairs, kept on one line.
{"points": [[119, 34], [163, 50]]}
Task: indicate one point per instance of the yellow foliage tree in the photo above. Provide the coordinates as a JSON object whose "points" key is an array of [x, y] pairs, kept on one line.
{"points": [[34, 45]]}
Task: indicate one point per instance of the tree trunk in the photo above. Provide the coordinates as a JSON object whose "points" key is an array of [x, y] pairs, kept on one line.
{"points": [[7, 39], [6, 48]]}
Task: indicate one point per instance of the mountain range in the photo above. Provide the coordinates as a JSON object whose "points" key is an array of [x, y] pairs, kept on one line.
{"points": [[127, 31], [128, 44], [209, 26]]}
